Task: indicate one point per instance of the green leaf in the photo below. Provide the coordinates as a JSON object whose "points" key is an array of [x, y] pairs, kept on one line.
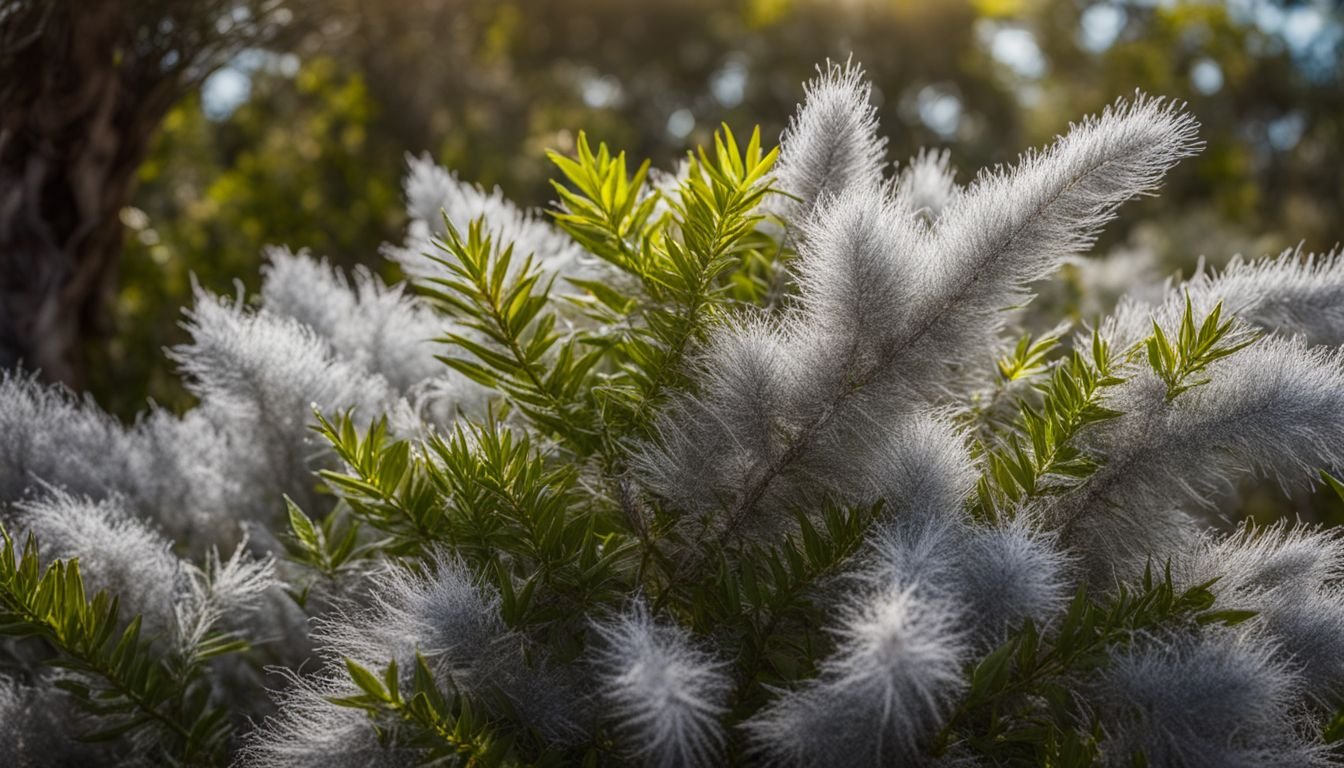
{"points": [[1334, 483], [302, 526], [366, 680]]}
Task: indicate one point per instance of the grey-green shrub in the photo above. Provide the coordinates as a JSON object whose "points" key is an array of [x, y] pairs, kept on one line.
{"points": [[746, 463]]}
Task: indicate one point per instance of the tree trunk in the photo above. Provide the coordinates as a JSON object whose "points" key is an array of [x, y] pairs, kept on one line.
{"points": [[73, 131]]}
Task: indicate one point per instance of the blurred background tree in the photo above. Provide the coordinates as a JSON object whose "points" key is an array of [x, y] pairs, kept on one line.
{"points": [[84, 85], [302, 143]]}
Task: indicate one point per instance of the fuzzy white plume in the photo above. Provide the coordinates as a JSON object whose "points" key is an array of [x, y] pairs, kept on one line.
{"points": [[169, 470], [444, 615], [1219, 701], [858, 272], [927, 184], [259, 377], [831, 144], [882, 694], [179, 474], [382, 328], [1015, 225], [665, 696], [888, 307], [52, 436], [1011, 573], [365, 321], [433, 192], [1292, 577]]}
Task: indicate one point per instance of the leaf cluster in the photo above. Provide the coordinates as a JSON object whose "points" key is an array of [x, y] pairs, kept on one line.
{"points": [[489, 495], [518, 347], [690, 251], [441, 725], [124, 681], [1021, 706], [1197, 345], [1038, 456], [331, 547]]}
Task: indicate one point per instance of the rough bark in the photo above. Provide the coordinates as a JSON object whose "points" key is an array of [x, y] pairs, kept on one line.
{"points": [[84, 85]]}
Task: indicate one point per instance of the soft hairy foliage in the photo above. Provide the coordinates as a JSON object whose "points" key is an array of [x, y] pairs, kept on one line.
{"points": [[666, 696], [894, 674], [436, 198], [1171, 701], [757, 460], [832, 144]]}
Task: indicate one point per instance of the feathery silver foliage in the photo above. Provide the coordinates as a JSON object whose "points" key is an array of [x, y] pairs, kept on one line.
{"points": [[1219, 701], [858, 273], [365, 321], [166, 469], [927, 184], [382, 328], [1292, 577], [116, 552], [708, 442], [35, 730], [1011, 573], [999, 574], [308, 731], [54, 437], [259, 377], [1295, 559], [433, 192], [907, 550], [1274, 408], [1310, 633], [665, 695], [443, 614], [178, 474], [222, 596], [852, 390], [1015, 225], [886, 308], [169, 470], [880, 696], [831, 144], [255, 363], [1292, 294]]}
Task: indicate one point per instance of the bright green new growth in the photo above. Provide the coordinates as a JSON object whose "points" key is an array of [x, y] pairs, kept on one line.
{"points": [[1039, 457], [1198, 344], [715, 255]]}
